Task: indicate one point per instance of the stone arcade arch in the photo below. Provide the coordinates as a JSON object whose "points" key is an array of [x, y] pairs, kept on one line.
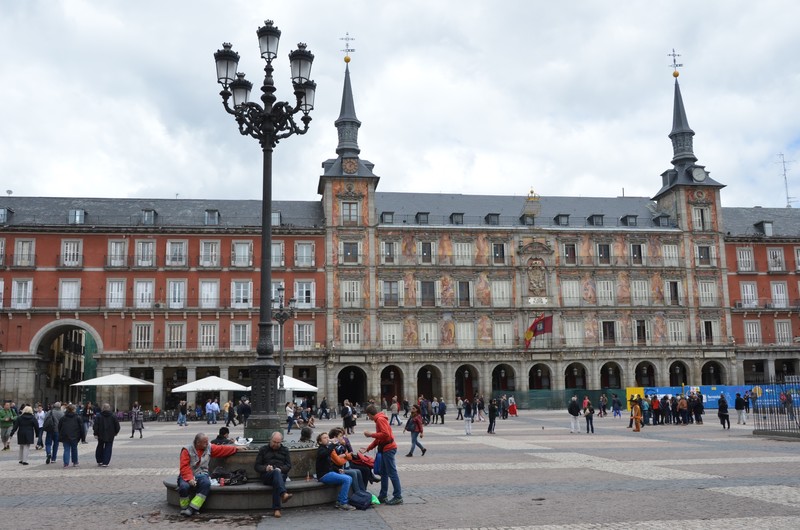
{"points": [[575, 376], [429, 382], [351, 383], [467, 381], [503, 378], [712, 373], [540, 377]]}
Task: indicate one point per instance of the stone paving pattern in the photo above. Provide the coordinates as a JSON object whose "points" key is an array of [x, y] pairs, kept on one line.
{"points": [[532, 474]]}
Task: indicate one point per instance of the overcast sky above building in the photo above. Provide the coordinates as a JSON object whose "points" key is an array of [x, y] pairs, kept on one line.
{"points": [[119, 98]]}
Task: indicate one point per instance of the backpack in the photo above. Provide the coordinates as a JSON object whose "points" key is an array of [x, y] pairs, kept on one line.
{"points": [[238, 476], [361, 500], [49, 424], [220, 472]]}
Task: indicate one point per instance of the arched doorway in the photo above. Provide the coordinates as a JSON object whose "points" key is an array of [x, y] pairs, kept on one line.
{"points": [[575, 376], [467, 381], [539, 377], [645, 374], [712, 374], [392, 384], [351, 384], [503, 379], [610, 376], [429, 382], [678, 374]]}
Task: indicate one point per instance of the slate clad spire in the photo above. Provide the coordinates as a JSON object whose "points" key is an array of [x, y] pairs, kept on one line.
{"points": [[681, 134], [347, 124]]}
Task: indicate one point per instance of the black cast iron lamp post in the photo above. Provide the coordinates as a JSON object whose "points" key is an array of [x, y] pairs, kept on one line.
{"points": [[268, 122], [281, 316]]}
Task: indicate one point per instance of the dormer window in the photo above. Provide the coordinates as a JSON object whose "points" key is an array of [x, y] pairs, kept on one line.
{"points": [[276, 219], [561, 219], [457, 218], [5, 214], [76, 217], [527, 220], [422, 218], [492, 219], [387, 218], [629, 220], [765, 227], [595, 220], [148, 217], [661, 220], [212, 217]]}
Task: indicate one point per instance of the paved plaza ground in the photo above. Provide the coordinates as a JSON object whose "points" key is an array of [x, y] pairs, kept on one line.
{"points": [[532, 474]]}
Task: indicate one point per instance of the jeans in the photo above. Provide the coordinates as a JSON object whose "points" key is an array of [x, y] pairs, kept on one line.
{"points": [[289, 421], [414, 442], [201, 491], [394, 417], [333, 477], [492, 421], [70, 447], [275, 479], [573, 424], [589, 424], [182, 419], [357, 480], [460, 414], [389, 472], [51, 440], [467, 424], [103, 452]]}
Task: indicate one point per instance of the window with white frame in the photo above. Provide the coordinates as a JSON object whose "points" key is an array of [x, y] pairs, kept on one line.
{"points": [[71, 255], [570, 254], [303, 336], [571, 293], [503, 335], [641, 331], [277, 258], [796, 258], [21, 294], [707, 293], [118, 253], [775, 261], [24, 253], [351, 293], [209, 294], [145, 253], [499, 253], [573, 332], [603, 254], [349, 213], [209, 253], [783, 331], [4, 215], [351, 335], [176, 336], [276, 334], [115, 294], [275, 219], [501, 293], [148, 217], [242, 254], [241, 294], [752, 332], [709, 332], [208, 336], [305, 294], [142, 333], [780, 296], [304, 254], [143, 294], [744, 259], [388, 252], [637, 254], [350, 252], [176, 253], [462, 253], [69, 294], [2, 252], [428, 335], [2, 292], [275, 294], [464, 290], [749, 295], [390, 293], [426, 252], [701, 218], [676, 331], [609, 332], [672, 292], [465, 335], [240, 336], [211, 217], [605, 292], [176, 290], [428, 293], [76, 217], [391, 335], [640, 292], [670, 254], [705, 255]]}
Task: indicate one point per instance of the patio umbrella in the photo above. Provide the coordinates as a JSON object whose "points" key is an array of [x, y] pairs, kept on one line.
{"points": [[114, 380], [294, 385], [211, 383]]}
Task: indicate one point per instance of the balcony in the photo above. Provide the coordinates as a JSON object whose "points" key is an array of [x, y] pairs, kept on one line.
{"points": [[69, 261], [117, 261], [23, 261], [766, 304]]}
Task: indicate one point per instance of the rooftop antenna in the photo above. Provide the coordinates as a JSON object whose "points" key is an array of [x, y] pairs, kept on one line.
{"points": [[789, 200], [176, 196], [9, 192], [347, 49]]}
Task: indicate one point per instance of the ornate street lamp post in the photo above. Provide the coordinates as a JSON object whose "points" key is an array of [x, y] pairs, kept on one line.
{"points": [[268, 123], [281, 316]]}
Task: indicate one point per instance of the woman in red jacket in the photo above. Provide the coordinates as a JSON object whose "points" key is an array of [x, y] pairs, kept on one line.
{"points": [[414, 426]]}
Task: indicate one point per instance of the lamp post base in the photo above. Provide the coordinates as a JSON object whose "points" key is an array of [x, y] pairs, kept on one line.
{"points": [[266, 417], [260, 428]]}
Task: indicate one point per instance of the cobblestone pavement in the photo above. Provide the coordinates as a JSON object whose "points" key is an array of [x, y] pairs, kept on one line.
{"points": [[532, 474]]}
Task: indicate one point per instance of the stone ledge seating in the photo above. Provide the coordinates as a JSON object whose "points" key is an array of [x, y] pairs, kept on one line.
{"points": [[257, 496]]}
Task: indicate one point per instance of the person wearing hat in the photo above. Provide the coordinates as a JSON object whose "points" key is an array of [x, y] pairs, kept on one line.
{"points": [[636, 414]]}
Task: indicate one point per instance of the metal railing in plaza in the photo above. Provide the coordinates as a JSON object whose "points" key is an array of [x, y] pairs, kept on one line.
{"points": [[773, 411]]}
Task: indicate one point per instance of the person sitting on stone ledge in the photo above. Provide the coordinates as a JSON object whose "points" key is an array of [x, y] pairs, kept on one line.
{"points": [[194, 461], [306, 434], [273, 465], [222, 437]]}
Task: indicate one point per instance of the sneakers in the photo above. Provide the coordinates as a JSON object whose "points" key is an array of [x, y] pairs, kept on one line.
{"points": [[382, 500], [409, 454], [346, 507], [187, 512], [394, 501]]}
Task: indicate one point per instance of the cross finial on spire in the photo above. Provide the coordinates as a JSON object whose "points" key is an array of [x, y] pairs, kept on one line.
{"points": [[347, 49], [675, 65]]}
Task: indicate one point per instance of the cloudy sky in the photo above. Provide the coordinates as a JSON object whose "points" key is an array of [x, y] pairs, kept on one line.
{"points": [[119, 98]]}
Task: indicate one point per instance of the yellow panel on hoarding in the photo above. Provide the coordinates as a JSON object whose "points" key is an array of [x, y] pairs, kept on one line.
{"points": [[632, 391]]}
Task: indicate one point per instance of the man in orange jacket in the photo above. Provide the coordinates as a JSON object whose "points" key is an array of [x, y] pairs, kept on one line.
{"points": [[194, 471]]}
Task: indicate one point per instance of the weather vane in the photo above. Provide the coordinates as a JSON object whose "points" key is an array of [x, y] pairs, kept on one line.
{"points": [[675, 65], [347, 49]]}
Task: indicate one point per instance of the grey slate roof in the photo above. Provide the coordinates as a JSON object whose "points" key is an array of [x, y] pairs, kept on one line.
{"points": [[54, 211], [741, 222]]}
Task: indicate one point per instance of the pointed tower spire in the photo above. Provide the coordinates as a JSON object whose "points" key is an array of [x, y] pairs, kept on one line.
{"points": [[347, 124], [681, 134]]}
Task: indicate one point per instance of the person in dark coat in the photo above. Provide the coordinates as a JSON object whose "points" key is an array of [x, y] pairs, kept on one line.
{"points": [[70, 432], [27, 429], [106, 427], [273, 465]]}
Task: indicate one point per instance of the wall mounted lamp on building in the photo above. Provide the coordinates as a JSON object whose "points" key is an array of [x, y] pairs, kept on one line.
{"points": [[610, 370], [574, 371], [711, 369], [429, 374], [502, 373], [352, 375], [391, 375], [539, 372], [677, 369], [268, 123]]}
